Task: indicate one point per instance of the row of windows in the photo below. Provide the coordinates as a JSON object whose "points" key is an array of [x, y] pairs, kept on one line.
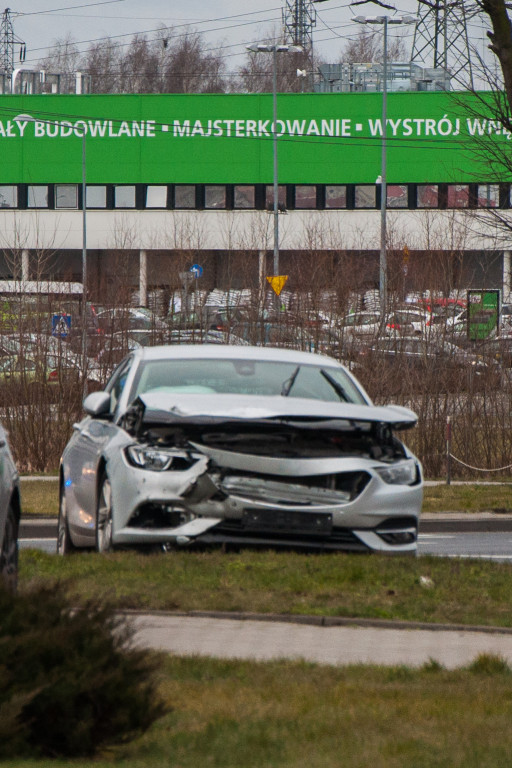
{"points": [[255, 196]]}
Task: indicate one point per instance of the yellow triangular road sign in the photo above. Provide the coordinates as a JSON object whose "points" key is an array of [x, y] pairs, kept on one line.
{"points": [[277, 282]]}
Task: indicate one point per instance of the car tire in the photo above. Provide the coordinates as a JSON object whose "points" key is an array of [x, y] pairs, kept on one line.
{"points": [[9, 553], [65, 545], [104, 517]]}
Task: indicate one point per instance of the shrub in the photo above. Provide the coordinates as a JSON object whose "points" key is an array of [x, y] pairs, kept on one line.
{"points": [[489, 664], [70, 681]]}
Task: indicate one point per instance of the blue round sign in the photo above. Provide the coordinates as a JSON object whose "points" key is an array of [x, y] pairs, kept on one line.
{"points": [[196, 270]]}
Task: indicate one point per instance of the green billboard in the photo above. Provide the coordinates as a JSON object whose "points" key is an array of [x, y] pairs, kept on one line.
{"points": [[323, 138], [483, 313]]}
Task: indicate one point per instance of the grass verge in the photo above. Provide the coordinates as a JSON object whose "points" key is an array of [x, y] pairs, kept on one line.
{"points": [[40, 497], [438, 590], [229, 714], [468, 498]]}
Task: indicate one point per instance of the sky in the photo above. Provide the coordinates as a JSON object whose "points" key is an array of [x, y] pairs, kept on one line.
{"points": [[229, 24]]}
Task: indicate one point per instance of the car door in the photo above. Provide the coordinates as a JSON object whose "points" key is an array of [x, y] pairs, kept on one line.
{"points": [[82, 457]]}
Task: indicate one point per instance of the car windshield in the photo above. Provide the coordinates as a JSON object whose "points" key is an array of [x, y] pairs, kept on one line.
{"points": [[246, 377]]}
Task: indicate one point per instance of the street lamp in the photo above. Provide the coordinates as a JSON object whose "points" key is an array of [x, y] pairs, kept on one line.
{"points": [[274, 49], [30, 119], [384, 21]]}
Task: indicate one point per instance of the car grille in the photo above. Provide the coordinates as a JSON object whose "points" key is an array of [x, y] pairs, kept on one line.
{"points": [[338, 488]]}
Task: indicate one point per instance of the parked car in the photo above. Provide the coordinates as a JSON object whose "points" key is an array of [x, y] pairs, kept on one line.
{"points": [[249, 445], [410, 361], [129, 318], [10, 512], [361, 324], [205, 337], [407, 322], [275, 333]]}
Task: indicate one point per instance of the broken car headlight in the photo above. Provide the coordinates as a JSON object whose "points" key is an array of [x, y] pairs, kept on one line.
{"points": [[149, 458], [404, 473]]}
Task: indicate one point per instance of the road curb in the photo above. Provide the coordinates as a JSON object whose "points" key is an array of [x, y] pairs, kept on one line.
{"points": [[323, 621]]}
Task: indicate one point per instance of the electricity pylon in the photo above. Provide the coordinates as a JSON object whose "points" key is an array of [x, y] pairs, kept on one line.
{"points": [[441, 38], [8, 41]]}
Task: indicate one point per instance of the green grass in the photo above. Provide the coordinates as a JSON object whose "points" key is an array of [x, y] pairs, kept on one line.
{"points": [[468, 498], [431, 589], [228, 714]]}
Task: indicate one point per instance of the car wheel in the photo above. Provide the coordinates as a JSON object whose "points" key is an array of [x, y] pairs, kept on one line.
{"points": [[104, 517], [9, 553], [64, 544]]}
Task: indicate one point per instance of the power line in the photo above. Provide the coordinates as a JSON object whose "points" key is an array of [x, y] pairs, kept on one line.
{"points": [[56, 10]]}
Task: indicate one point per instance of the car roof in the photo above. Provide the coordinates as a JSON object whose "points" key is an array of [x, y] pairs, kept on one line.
{"points": [[233, 352]]}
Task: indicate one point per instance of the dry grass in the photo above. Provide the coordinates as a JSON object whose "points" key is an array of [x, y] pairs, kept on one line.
{"points": [[40, 497]]}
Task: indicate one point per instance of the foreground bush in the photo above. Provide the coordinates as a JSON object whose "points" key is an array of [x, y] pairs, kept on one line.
{"points": [[70, 684]]}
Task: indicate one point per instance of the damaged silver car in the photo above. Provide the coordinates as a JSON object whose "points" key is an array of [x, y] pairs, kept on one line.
{"points": [[246, 445]]}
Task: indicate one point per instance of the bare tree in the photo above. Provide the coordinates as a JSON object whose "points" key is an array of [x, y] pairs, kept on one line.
{"points": [[367, 47], [165, 63], [500, 38], [102, 63], [62, 58], [189, 67]]}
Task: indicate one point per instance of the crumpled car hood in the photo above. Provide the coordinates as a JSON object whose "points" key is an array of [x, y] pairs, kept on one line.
{"points": [[170, 408]]}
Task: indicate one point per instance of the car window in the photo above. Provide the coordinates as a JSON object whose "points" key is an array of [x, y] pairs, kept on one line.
{"points": [[116, 383], [250, 377]]}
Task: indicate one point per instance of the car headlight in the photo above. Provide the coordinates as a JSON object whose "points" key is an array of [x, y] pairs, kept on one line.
{"points": [[149, 458], [405, 473]]}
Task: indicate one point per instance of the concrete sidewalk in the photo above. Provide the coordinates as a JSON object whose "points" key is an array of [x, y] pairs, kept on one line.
{"points": [[336, 642]]}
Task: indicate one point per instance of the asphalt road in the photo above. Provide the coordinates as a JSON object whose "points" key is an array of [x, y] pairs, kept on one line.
{"points": [[484, 537]]}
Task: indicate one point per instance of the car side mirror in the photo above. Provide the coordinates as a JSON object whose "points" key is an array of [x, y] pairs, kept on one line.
{"points": [[97, 404]]}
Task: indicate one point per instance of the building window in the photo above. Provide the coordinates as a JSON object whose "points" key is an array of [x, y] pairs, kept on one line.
{"points": [[96, 196], [156, 197], [8, 196], [66, 196], [397, 196], [458, 196], [124, 196], [244, 196], [335, 196], [427, 196], [488, 196], [365, 196], [214, 196], [305, 196], [185, 196], [269, 196], [37, 196]]}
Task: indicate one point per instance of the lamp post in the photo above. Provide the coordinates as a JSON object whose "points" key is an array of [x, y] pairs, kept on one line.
{"points": [[384, 21], [30, 119], [383, 268], [274, 49]]}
